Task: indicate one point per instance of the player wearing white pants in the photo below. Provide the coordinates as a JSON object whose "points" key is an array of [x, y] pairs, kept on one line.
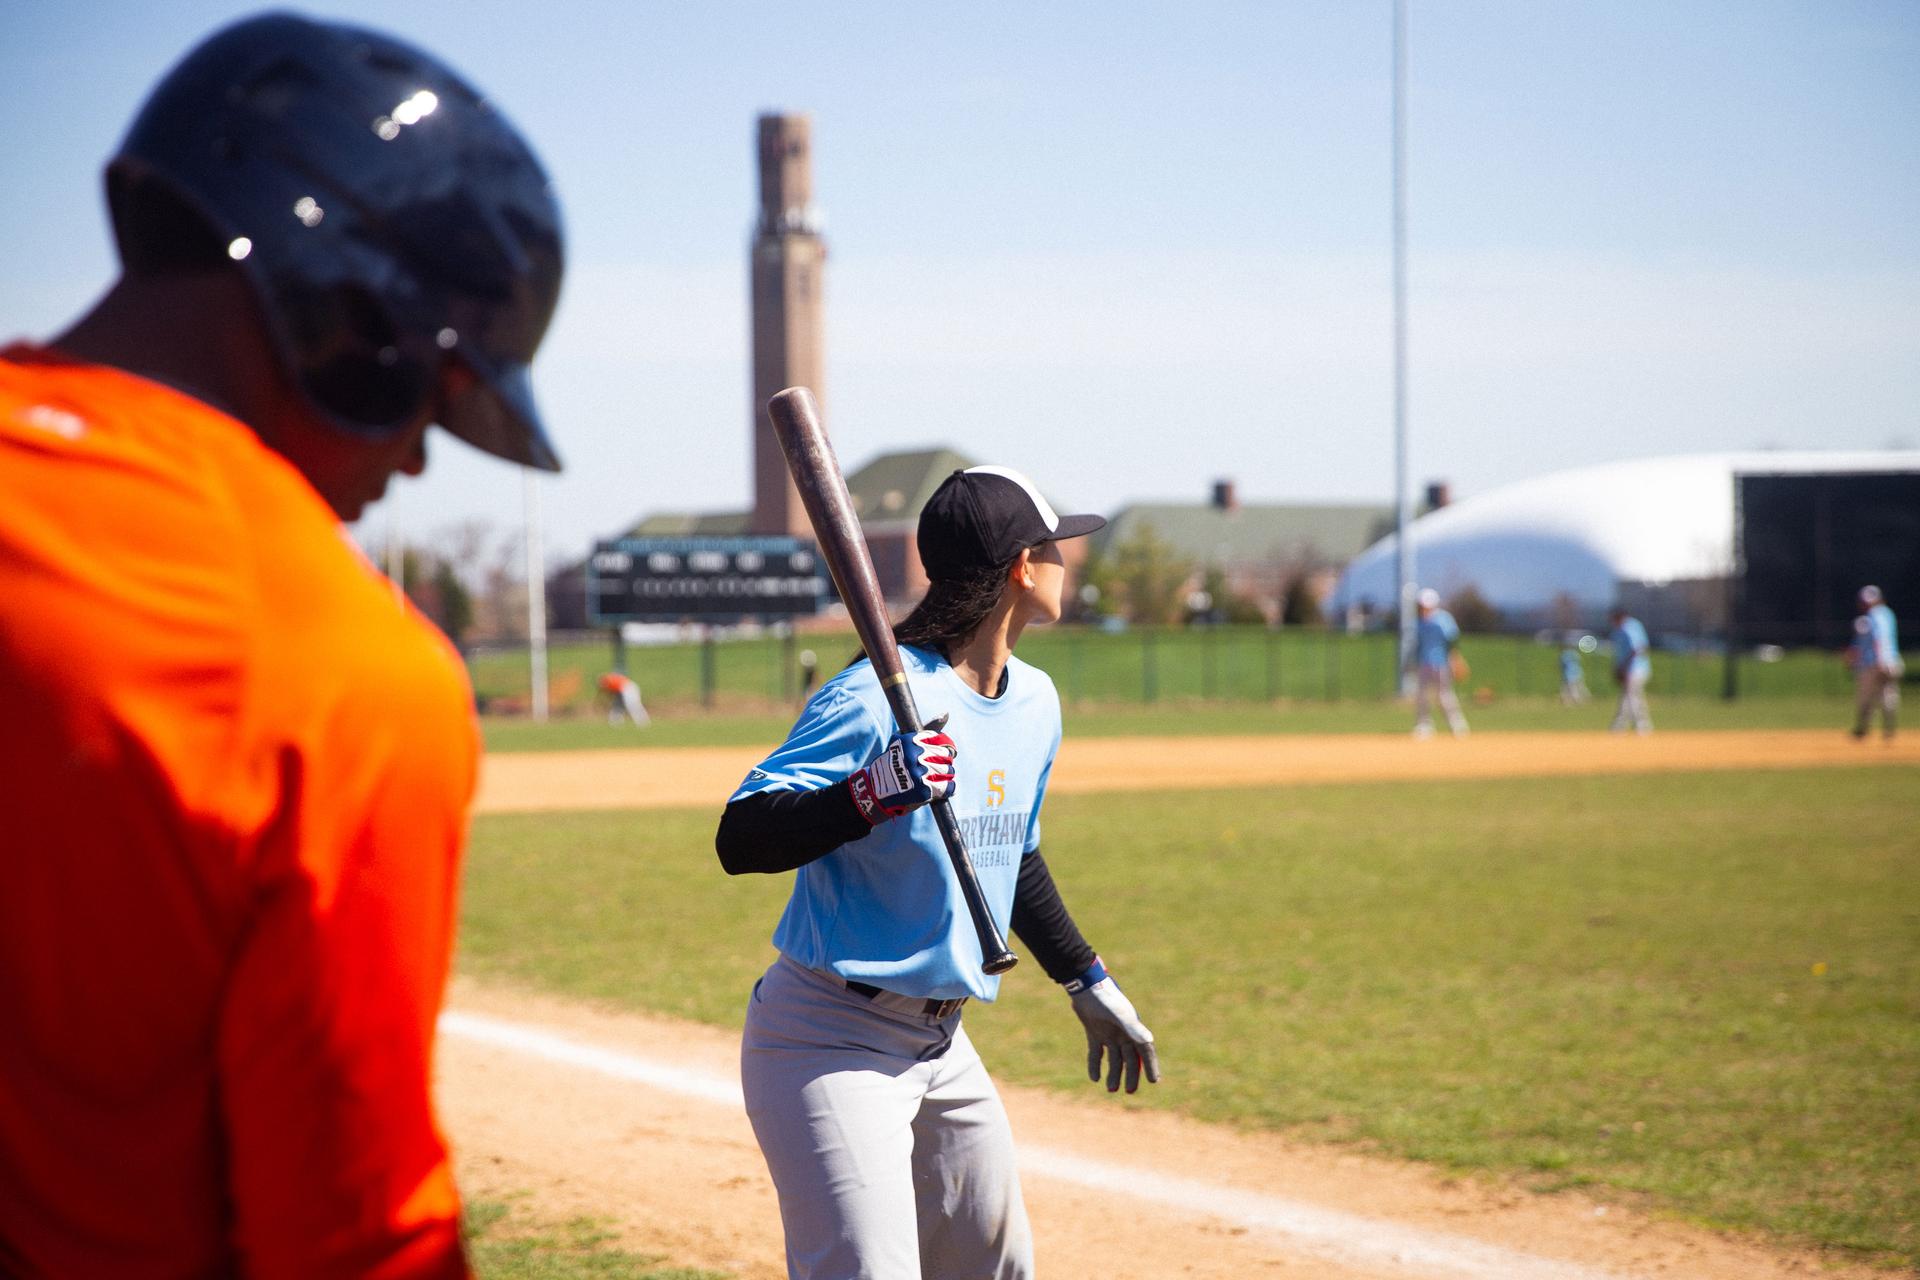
{"points": [[1435, 641], [883, 1134], [888, 1116], [1632, 668]]}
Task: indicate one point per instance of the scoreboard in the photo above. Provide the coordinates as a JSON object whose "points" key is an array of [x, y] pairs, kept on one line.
{"points": [[713, 579]]}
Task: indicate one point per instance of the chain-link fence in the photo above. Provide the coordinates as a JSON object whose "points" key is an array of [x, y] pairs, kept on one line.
{"points": [[1146, 665]]}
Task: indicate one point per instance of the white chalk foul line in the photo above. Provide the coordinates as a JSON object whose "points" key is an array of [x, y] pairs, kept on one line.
{"points": [[608, 1062], [1323, 1233]]}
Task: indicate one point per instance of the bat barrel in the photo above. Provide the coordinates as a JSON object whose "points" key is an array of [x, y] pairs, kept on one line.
{"points": [[823, 492]]}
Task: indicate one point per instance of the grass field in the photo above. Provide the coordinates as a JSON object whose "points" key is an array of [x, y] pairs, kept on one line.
{"points": [[515, 733], [503, 1244], [1700, 992], [1154, 665]]}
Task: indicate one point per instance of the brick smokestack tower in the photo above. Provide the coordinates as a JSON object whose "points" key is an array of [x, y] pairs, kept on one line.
{"points": [[789, 275]]}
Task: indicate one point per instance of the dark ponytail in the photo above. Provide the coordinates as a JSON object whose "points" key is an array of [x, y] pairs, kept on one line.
{"points": [[952, 610]]}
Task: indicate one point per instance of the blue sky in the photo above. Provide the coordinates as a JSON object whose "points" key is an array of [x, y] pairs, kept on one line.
{"points": [[1130, 248]]}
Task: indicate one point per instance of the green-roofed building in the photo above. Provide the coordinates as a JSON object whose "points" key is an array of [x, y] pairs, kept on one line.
{"points": [[1318, 535], [1261, 547], [677, 524], [895, 486], [888, 494]]}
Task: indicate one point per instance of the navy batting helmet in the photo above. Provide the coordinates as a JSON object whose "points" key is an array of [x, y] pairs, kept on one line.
{"points": [[386, 216]]}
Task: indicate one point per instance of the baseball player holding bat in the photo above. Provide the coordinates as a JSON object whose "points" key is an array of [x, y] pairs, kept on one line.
{"points": [[884, 1135]]}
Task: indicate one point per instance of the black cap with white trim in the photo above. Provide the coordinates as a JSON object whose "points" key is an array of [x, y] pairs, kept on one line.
{"points": [[983, 517]]}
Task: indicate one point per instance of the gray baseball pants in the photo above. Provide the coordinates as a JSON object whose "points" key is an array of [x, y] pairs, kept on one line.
{"points": [[1876, 689], [1435, 684], [1632, 711], [885, 1137]]}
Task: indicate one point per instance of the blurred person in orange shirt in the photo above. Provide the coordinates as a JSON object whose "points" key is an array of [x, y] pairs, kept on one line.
{"points": [[234, 766], [623, 699]]}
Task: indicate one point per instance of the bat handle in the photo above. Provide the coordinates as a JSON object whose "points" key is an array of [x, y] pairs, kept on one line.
{"points": [[995, 955]]}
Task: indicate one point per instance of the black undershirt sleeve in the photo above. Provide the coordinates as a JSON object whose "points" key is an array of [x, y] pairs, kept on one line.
{"points": [[775, 831], [782, 830], [1042, 922]]}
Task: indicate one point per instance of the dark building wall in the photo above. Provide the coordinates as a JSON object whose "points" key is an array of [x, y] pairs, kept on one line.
{"points": [[1806, 544]]}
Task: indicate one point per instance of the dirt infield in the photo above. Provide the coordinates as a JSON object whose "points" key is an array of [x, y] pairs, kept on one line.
{"points": [[641, 778], [668, 1161]]}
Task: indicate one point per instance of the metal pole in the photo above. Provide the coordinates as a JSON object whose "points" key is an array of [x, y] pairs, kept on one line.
{"points": [[708, 675], [1403, 499], [1730, 673], [1206, 661], [536, 595], [789, 662], [1075, 642]]}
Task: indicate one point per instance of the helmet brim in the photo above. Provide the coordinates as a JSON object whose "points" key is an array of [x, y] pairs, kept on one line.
{"points": [[497, 415]]}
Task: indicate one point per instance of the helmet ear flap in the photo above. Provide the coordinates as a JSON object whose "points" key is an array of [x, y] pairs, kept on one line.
{"points": [[357, 365], [156, 229]]}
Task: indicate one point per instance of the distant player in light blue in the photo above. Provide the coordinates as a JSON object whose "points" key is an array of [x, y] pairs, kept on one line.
{"points": [[1632, 667], [886, 1140], [1573, 677], [1877, 666], [1436, 664]]}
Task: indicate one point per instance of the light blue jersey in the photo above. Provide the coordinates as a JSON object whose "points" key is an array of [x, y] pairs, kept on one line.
{"points": [[1630, 648], [1879, 644], [1432, 639], [886, 909]]}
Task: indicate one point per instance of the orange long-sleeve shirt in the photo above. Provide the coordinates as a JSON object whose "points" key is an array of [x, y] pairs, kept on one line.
{"points": [[234, 774]]}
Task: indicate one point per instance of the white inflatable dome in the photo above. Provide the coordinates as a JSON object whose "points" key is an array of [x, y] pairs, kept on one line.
{"points": [[1587, 533]]}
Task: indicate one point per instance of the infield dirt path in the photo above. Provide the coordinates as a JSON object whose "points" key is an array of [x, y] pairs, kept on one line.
{"points": [[644, 778], [636, 1120], [533, 1096]]}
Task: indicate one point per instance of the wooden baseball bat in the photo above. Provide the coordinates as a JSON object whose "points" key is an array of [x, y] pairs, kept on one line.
{"points": [[823, 491]]}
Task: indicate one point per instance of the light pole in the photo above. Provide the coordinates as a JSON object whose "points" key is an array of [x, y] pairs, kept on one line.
{"points": [[1403, 499], [536, 596]]}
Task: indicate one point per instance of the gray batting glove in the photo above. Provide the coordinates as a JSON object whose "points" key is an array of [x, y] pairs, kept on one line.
{"points": [[1114, 1031]]}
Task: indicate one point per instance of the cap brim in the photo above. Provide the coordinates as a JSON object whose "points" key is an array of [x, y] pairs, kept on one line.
{"points": [[497, 415], [1077, 527]]}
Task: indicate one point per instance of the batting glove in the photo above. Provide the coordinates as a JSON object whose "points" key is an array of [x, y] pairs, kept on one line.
{"points": [[915, 769], [1114, 1031]]}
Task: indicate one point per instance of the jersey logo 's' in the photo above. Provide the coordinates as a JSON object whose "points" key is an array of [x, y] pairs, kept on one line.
{"points": [[996, 788]]}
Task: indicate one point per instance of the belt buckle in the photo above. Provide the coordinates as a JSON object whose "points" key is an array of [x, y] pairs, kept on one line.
{"points": [[945, 1008]]}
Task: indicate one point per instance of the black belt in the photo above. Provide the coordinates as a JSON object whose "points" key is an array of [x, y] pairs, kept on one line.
{"points": [[932, 1008]]}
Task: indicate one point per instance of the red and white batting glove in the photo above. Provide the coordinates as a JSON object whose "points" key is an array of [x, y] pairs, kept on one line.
{"points": [[915, 769]]}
